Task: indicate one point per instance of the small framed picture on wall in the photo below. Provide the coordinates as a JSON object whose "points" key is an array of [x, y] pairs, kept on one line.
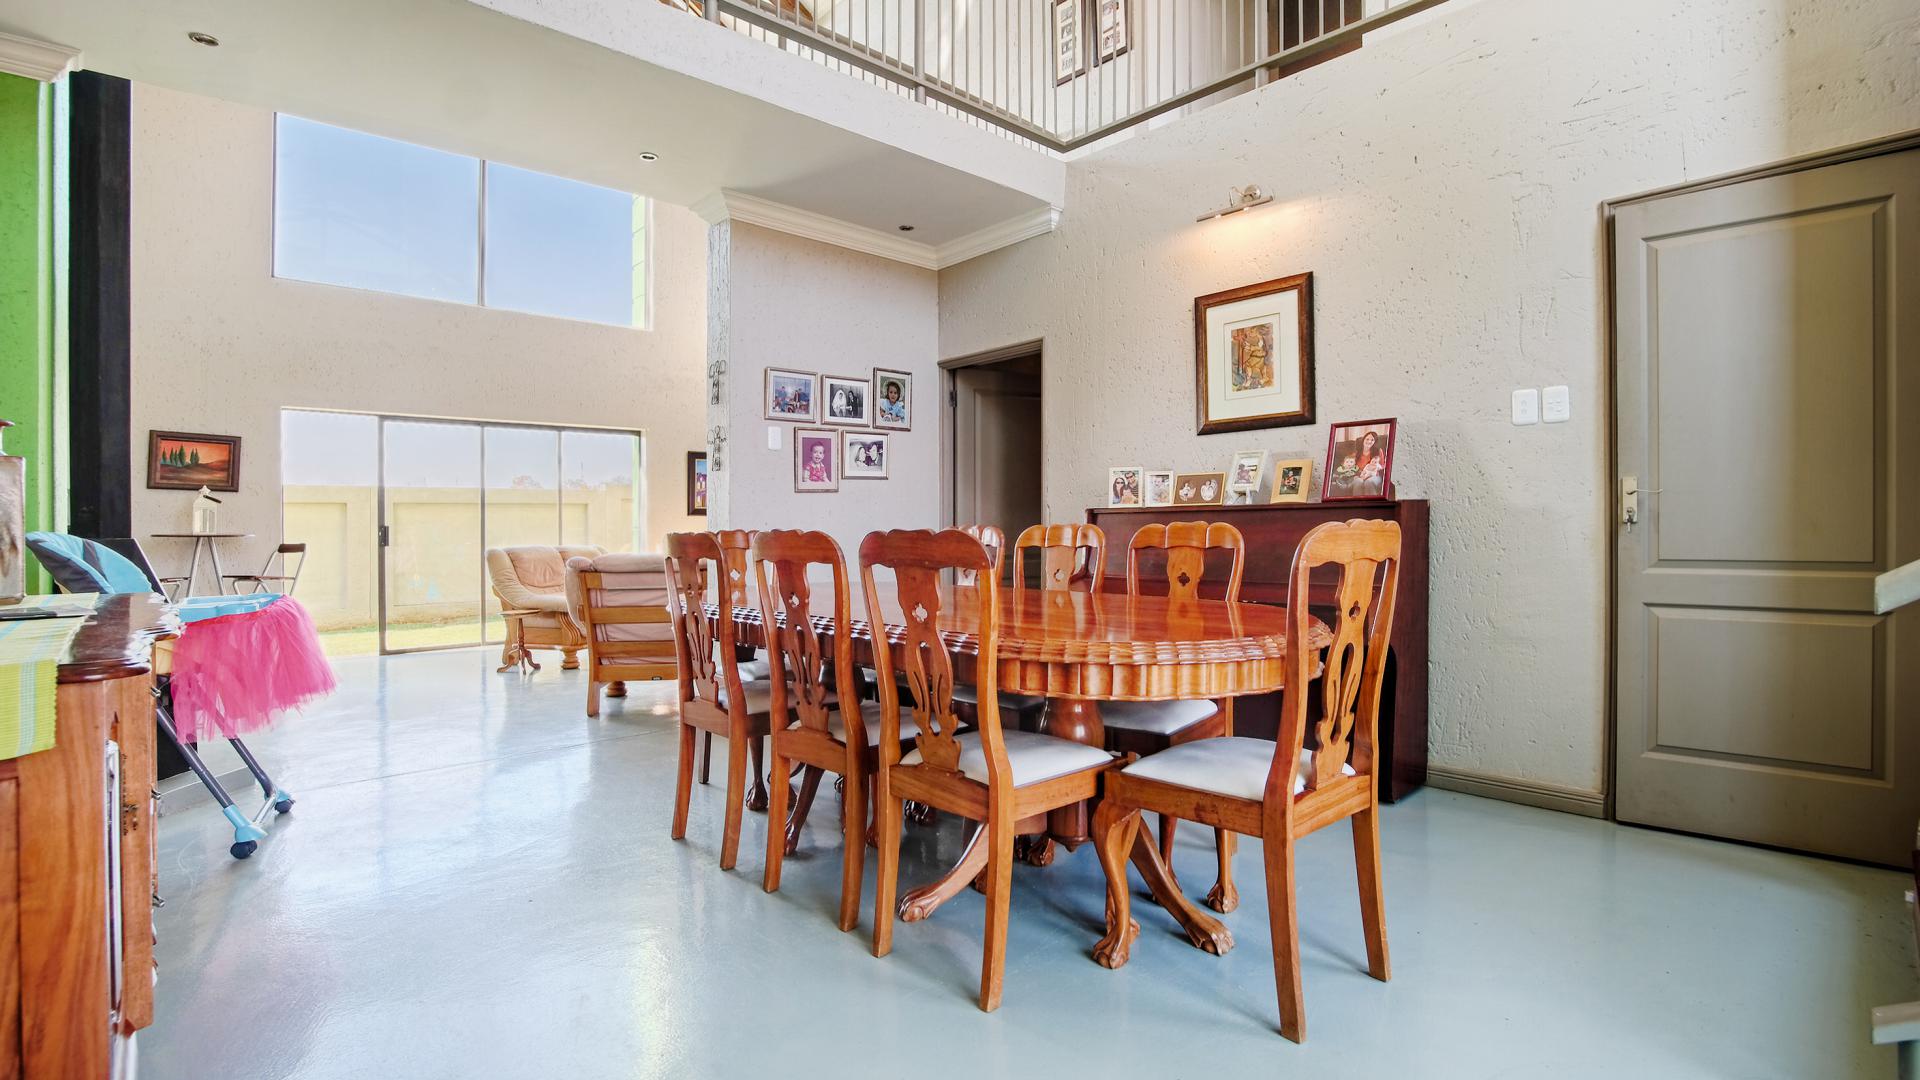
{"points": [[1069, 41], [892, 399], [184, 461], [845, 401], [790, 395], [816, 459], [1111, 33], [697, 483], [865, 455], [1359, 460]]}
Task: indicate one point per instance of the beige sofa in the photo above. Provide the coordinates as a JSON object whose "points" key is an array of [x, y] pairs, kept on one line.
{"points": [[531, 583], [619, 603]]}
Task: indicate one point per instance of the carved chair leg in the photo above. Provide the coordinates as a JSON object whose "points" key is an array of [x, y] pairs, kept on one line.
{"points": [[778, 843], [809, 785], [1224, 897], [706, 754], [887, 877], [853, 851], [736, 802], [1167, 824], [1113, 831], [993, 967], [1283, 916], [1373, 901], [683, 782], [569, 658], [757, 797]]}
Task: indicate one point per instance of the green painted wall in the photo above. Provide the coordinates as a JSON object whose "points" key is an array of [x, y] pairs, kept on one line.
{"points": [[30, 383]]}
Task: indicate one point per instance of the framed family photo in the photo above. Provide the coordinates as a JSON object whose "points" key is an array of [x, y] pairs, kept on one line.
{"points": [[865, 455], [1253, 356], [1359, 460], [1126, 486], [892, 399], [1199, 489], [1159, 487], [816, 459], [845, 401], [1069, 41], [184, 461], [1292, 480], [696, 483], [790, 395], [1244, 475]]}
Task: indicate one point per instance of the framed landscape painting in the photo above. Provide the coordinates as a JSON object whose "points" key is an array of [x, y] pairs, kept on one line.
{"points": [[1253, 356], [696, 483], [184, 461]]}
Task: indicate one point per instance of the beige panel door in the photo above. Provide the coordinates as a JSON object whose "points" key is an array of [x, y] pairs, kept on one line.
{"points": [[996, 445], [1767, 336]]}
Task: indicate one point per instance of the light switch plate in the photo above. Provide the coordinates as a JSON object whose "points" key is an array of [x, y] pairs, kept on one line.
{"points": [[1526, 406], [1556, 405], [773, 437]]}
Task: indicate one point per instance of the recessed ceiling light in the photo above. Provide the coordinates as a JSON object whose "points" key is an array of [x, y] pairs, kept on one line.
{"points": [[199, 38], [648, 155], [904, 228]]}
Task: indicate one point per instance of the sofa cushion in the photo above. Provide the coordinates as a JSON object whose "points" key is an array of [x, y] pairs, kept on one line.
{"points": [[532, 578]]}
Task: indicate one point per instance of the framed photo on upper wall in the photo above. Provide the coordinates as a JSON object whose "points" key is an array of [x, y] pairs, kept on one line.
{"points": [[696, 483], [892, 399], [184, 461], [845, 401], [816, 459], [1112, 34], [1359, 460], [864, 455], [1069, 41], [1253, 356], [790, 395]]}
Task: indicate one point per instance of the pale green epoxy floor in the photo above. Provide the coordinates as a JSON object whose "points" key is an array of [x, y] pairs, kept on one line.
{"points": [[477, 883]]}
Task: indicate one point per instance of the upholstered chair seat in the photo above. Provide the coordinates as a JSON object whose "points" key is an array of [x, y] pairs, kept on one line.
{"points": [[1234, 766], [531, 585], [758, 695], [1035, 757], [1156, 717]]}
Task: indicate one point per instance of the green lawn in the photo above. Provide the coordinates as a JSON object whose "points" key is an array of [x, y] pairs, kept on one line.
{"points": [[365, 640]]}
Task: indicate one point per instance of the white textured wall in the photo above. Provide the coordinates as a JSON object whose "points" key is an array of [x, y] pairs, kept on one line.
{"points": [[220, 345], [1443, 186], [783, 301]]}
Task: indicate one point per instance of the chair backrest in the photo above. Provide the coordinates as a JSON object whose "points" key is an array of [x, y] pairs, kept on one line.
{"points": [[1071, 556], [799, 670], [80, 566], [1368, 555], [705, 651], [1186, 544], [917, 558], [992, 539], [620, 603]]}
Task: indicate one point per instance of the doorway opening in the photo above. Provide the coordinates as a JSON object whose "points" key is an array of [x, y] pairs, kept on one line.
{"points": [[397, 513], [992, 461]]}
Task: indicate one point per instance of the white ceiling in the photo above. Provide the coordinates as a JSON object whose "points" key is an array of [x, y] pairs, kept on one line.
{"points": [[481, 80]]}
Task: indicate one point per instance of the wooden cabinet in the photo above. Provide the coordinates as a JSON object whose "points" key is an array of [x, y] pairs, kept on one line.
{"points": [[1272, 533], [77, 859]]}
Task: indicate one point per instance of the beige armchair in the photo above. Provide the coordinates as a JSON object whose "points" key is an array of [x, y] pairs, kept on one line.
{"points": [[531, 583], [619, 603]]}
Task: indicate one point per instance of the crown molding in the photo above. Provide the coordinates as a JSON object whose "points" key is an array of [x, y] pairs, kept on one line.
{"points": [[994, 237], [36, 59], [726, 205]]}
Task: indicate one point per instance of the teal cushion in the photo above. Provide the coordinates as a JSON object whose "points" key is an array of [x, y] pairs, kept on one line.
{"points": [[85, 566]]}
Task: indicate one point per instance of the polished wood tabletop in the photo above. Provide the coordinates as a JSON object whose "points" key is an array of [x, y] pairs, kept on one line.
{"points": [[118, 637], [1099, 646]]}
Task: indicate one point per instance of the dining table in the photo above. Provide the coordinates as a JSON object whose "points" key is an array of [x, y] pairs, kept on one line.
{"points": [[1077, 649]]}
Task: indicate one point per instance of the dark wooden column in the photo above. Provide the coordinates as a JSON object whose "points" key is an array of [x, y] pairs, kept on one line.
{"points": [[99, 353]]}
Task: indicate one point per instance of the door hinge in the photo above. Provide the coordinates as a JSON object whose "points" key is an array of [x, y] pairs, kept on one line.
{"points": [[386, 537]]}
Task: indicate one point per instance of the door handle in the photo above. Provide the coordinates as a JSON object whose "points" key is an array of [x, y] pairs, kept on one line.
{"points": [[1630, 492]]}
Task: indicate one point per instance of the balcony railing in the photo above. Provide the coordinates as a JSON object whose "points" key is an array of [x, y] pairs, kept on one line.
{"points": [[1061, 73]]}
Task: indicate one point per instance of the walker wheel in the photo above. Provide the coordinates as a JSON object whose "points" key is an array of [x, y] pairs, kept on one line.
{"points": [[283, 804], [244, 848]]}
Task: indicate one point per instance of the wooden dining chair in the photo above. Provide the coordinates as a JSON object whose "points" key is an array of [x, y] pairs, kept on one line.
{"points": [[735, 544], [1007, 780], [1072, 557], [1148, 727], [820, 740], [1026, 707], [1283, 790], [994, 541], [713, 699]]}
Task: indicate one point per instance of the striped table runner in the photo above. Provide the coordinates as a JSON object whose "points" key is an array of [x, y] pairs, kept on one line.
{"points": [[30, 652]]}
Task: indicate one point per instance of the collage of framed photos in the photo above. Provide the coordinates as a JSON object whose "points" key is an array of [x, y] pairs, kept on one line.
{"points": [[855, 416], [1358, 465]]}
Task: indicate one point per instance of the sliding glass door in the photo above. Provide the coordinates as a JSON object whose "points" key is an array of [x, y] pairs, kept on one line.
{"points": [[398, 512]]}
